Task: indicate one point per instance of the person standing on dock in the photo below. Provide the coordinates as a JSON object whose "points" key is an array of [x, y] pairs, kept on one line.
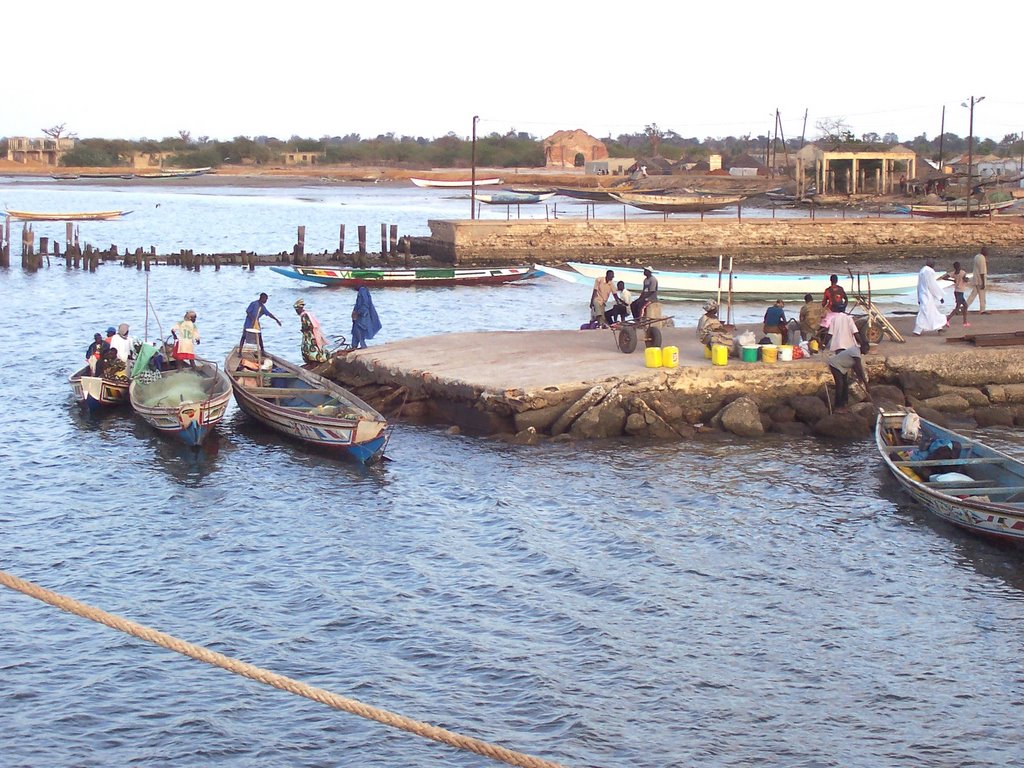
{"points": [[251, 329], [314, 344], [929, 296], [980, 280], [603, 287], [841, 364], [365, 322]]}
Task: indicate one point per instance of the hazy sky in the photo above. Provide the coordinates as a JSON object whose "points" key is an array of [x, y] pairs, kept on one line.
{"points": [[223, 69]]}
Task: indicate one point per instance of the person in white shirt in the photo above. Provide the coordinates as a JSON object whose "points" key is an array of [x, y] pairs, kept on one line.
{"points": [[622, 298], [122, 342], [929, 296], [842, 332], [979, 279]]}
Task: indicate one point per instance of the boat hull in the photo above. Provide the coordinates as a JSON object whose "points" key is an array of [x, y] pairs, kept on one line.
{"points": [[311, 409], [95, 393], [706, 284], [514, 198], [455, 183], [191, 418], [957, 210], [77, 216], [1001, 520], [404, 278], [676, 203]]}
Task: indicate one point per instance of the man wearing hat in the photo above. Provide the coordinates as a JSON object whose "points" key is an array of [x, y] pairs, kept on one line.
{"points": [[251, 329], [648, 294], [775, 321], [122, 342], [710, 328], [314, 344]]}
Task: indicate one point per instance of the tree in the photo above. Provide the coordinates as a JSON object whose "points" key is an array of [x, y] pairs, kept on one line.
{"points": [[834, 130], [654, 134], [891, 138], [57, 131], [871, 137], [185, 136]]}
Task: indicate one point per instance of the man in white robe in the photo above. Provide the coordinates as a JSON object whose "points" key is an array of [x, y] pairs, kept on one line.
{"points": [[929, 296]]}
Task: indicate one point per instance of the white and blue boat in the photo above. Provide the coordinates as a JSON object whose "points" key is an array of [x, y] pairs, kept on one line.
{"points": [[184, 403]]}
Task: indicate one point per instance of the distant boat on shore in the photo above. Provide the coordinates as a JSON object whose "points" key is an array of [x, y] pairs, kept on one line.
{"points": [[404, 278], [676, 203], [594, 194], [955, 209], [514, 198], [455, 182], [75, 216]]}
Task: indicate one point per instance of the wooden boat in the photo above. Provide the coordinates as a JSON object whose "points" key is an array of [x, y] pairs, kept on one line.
{"points": [[186, 403], [174, 173], [455, 182], [302, 405], [981, 490], [744, 286], [514, 198], [95, 392], [956, 209], [676, 203], [403, 278], [594, 194], [76, 216]]}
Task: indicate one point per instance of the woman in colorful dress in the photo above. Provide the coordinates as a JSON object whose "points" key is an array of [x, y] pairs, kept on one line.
{"points": [[186, 336], [314, 344]]}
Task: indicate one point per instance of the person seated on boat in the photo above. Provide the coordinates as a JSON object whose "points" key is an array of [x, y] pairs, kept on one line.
{"points": [[775, 321], [648, 294], [251, 329], [711, 330], [314, 343], [111, 366], [122, 343], [95, 351], [810, 318], [186, 336], [621, 299], [603, 287], [935, 449], [111, 332], [365, 323]]}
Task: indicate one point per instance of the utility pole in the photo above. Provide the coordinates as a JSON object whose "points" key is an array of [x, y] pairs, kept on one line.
{"points": [[970, 148], [472, 173], [803, 132], [942, 134]]}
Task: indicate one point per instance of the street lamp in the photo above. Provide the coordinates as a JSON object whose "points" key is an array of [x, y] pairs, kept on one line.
{"points": [[970, 147], [472, 173]]}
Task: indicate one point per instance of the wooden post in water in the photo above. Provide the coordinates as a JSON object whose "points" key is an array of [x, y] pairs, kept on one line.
{"points": [[252, 261], [5, 244], [407, 249], [216, 262], [300, 246], [362, 246], [393, 241], [341, 243], [69, 229], [384, 242], [138, 258]]}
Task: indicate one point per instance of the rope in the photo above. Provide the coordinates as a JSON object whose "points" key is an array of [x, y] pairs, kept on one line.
{"points": [[253, 672]]}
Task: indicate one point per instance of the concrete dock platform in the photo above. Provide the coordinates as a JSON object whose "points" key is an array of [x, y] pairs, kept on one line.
{"points": [[508, 382]]}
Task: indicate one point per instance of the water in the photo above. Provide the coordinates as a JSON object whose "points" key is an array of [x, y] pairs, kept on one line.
{"points": [[719, 602]]}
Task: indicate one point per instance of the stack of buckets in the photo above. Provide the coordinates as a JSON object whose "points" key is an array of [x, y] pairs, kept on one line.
{"points": [[661, 357]]}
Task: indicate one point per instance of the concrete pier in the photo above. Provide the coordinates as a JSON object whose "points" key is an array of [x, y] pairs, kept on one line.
{"points": [[532, 384]]}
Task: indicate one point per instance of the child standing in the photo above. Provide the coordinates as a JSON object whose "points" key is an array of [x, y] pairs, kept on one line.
{"points": [[958, 276]]}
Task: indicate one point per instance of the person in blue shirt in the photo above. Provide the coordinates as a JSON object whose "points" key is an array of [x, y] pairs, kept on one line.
{"points": [[365, 322], [253, 313], [775, 321]]}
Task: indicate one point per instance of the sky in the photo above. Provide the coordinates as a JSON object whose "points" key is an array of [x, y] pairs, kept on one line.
{"points": [[113, 69]]}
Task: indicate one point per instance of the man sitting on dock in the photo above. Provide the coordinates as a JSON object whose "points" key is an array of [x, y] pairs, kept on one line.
{"points": [[648, 294], [775, 321]]}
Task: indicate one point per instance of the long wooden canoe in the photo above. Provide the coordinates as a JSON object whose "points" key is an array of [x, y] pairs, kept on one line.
{"points": [[744, 286], [676, 203], [95, 392], [302, 405], [980, 489], [514, 198], [403, 278], [957, 209], [594, 194], [455, 182], [74, 216]]}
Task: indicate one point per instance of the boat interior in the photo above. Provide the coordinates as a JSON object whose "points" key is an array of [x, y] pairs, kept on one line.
{"points": [[289, 389]]}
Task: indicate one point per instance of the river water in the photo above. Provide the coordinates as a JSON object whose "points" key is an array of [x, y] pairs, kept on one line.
{"points": [[720, 602]]}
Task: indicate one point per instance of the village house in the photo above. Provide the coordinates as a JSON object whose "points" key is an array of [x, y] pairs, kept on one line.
{"points": [[572, 149], [294, 157], [48, 151], [855, 169]]}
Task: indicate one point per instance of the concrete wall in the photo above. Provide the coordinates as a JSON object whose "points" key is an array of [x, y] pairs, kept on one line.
{"points": [[522, 241]]}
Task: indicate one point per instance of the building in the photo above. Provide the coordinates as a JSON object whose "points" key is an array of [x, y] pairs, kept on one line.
{"points": [[48, 151], [855, 169], [610, 166], [302, 158], [572, 149]]}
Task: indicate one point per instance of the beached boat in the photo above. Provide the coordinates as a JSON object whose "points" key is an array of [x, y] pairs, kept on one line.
{"points": [[74, 216], [594, 194], [174, 173], [186, 403], [676, 203], [403, 278], [455, 182], [514, 198], [979, 489], [95, 392], [302, 405], [958, 208], [746, 286]]}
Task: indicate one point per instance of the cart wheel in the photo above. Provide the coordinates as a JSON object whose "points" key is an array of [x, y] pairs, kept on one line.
{"points": [[653, 338], [626, 339]]}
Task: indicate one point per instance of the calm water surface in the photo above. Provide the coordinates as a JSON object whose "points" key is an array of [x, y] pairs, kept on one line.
{"points": [[719, 603]]}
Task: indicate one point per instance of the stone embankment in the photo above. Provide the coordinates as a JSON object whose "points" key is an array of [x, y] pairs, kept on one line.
{"points": [[760, 240], [522, 386]]}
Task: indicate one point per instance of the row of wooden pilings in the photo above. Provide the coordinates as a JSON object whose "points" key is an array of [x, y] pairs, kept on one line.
{"points": [[77, 257]]}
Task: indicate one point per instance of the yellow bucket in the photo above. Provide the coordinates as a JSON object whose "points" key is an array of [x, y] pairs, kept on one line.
{"points": [[652, 357], [707, 352], [719, 354], [670, 357], [769, 353]]}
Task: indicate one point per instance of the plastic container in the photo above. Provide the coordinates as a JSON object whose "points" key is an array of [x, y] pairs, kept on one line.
{"points": [[749, 354], [786, 353], [707, 352], [652, 357], [719, 354], [670, 357], [769, 353]]}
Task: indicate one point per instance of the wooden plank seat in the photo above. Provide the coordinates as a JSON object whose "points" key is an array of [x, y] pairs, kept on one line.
{"points": [[287, 391]]}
